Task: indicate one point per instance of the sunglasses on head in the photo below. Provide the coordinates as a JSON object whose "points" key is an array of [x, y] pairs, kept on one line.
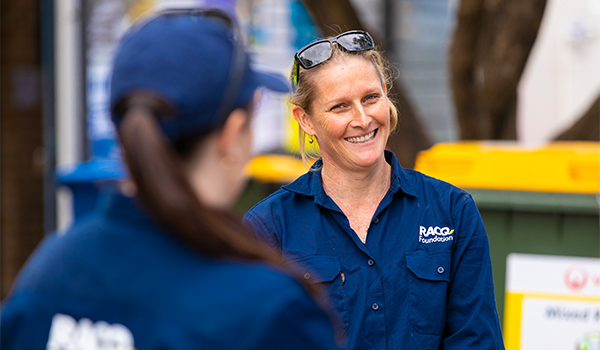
{"points": [[318, 52]]}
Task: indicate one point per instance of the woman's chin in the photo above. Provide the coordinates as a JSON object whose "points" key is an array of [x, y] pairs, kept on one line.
{"points": [[355, 158], [368, 159]]}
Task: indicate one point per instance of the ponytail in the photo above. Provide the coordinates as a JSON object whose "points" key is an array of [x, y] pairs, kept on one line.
{"points": [[164, 190]]}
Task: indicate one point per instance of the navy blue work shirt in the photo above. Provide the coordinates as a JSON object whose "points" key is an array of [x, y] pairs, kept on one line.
{"points": [[115, 278], [423, 279]]}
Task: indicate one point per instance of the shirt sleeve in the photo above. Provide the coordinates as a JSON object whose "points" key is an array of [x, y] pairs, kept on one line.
{"points": [[471, 316], [301, 325], [257, 226]]}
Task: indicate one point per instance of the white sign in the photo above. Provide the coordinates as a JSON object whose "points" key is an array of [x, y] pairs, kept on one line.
{"points": [[552, 302], [557, 324]]}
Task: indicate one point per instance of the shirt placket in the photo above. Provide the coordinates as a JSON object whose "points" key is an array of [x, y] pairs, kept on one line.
{"points": [[371, 296]]}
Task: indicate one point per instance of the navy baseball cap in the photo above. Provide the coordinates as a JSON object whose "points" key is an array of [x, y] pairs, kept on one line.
{"points": [[193, 61]]}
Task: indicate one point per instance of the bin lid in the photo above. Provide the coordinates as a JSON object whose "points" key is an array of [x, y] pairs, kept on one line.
{"points": [[91, 171], [572, 167], [276, 168]]}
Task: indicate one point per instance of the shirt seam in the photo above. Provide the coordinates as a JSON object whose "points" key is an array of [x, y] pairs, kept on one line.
{"points": [[263, 227]]}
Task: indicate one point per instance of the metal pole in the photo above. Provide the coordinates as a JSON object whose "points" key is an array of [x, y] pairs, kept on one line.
{"points": [[48, 119], [69, 93]]}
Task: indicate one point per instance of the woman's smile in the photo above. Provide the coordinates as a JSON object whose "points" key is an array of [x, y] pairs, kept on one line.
{"points": [[350, 115], [363, 138]]}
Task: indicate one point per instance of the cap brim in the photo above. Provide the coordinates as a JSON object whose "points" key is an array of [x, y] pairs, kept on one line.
{"points": [[272, 81]]}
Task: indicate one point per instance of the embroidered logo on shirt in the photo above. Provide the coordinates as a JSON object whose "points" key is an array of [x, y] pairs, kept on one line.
{"points": [[433, 234], [67, 333]]}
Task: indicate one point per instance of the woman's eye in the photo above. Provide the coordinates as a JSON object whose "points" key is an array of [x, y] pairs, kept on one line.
{"points": [[371, 97], [337, 106]]}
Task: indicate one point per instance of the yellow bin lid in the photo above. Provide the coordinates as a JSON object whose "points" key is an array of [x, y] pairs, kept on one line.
{"points": [[277, 168], [555, 167]]}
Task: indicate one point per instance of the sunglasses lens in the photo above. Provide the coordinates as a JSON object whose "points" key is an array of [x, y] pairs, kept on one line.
{"points": [[315, 54], [356, 42]]}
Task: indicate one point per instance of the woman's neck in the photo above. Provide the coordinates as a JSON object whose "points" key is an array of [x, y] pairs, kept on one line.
{"points": [[354, 186], [357, 193]]}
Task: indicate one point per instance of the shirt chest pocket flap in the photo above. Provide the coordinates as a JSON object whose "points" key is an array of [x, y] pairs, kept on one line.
{"points": [[320, 268], [326, 270], [428, 284]]}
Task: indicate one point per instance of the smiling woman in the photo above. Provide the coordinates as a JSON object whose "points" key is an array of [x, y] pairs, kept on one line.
{"points": [[352, 122], [404, 257]]}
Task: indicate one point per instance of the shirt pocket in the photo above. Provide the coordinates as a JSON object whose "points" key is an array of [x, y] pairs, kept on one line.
{"points": [[428, 284], [326, 271]]}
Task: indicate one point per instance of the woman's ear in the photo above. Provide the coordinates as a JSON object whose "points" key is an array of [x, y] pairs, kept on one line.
{"points": [[303, 120], [235, 129]]}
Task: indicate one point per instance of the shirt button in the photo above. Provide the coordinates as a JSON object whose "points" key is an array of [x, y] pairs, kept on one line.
{"points": [[440, 270], [375, 306], [307, 275], [371, 262], [376, 220]]}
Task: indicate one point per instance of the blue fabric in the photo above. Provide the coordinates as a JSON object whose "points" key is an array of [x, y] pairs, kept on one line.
{"points": [[186, 59], [423, 280], [117, 267]]}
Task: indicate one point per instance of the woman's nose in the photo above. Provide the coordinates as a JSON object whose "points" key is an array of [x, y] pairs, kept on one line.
{"points": [[360, 119]]}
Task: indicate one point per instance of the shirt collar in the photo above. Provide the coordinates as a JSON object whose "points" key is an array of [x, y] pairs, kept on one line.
{"points": [[310, 184], [117, 206]]}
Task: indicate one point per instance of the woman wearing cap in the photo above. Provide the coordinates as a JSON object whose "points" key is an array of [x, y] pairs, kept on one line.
{"points": [[161, 263], [405, 257]]}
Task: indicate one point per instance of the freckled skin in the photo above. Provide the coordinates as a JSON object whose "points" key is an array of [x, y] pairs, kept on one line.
{"points": [[350, 101], [350, 118]]}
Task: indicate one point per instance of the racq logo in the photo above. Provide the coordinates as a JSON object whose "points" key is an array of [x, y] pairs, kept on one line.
{"points": [[434, 234], [66, 333]]}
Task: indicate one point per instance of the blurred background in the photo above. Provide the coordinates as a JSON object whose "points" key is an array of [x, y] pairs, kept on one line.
{"points": [[501, 98]]}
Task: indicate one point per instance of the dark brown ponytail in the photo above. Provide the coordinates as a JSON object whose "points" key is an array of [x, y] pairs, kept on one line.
{"points": [[163, 189]]}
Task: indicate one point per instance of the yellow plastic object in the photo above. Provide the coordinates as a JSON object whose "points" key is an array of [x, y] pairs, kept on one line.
{"points": [[292, 143], [278, 168], [139, 9], [556, 167]]}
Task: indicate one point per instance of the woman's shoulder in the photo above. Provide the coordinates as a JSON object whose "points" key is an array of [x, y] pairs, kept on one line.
{"points": [[431, 182], [418, 184], [218, 299], [433, 189]]}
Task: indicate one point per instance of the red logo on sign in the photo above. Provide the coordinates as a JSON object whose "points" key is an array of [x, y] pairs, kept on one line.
{"points": [[576, 277]]}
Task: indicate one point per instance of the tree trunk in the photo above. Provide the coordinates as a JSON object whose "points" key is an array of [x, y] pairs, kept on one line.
{"points": [[587, 128], [336, 16], [491, 45]]}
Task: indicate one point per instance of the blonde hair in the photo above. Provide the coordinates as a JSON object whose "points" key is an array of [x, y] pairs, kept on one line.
{"points": [[303, 96]]}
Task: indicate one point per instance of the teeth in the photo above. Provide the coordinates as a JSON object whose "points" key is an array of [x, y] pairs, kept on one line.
{"points": [[360, 139]]}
